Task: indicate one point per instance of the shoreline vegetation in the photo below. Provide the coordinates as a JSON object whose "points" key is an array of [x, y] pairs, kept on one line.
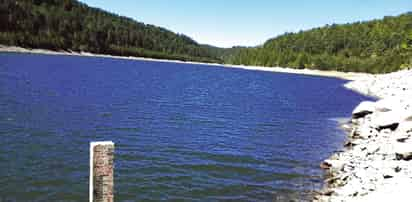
{"points": [[375, 46], [73, 25], [375, 164], [311, 72]]}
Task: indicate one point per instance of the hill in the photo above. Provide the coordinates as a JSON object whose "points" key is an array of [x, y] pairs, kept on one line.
{"points": [[72, 25], [375, 46]]}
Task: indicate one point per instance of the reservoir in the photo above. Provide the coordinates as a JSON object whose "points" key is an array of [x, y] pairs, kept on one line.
{"points": [[182, 131]]}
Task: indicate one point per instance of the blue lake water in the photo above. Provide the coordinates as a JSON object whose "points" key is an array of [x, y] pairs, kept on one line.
{"points": [[182, 131]]}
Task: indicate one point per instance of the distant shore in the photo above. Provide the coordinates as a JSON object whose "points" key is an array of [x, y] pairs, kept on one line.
{"points": [[335, 74]]}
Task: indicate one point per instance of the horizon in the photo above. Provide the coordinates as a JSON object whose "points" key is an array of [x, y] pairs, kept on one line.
{"points": [[227, 26]]}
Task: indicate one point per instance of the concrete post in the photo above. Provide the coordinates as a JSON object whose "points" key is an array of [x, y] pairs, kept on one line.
{"points": [[101, 171]]}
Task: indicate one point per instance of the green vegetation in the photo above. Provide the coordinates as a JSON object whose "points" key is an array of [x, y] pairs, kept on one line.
{"points": [[72, 25], [375, 46]]}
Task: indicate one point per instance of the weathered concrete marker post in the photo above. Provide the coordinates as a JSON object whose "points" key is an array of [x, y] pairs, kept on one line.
{"points": [[101, 171]]}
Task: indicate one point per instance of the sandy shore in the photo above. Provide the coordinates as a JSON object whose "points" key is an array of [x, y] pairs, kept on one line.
{"points": [[376, 164], [335, 74]]}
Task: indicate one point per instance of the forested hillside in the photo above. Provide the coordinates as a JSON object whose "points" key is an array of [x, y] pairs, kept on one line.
{"points": [[72, 25], [375, 46]]}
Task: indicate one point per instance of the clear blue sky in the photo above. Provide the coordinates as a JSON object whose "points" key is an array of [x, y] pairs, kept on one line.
{"points": [[226, 23]]}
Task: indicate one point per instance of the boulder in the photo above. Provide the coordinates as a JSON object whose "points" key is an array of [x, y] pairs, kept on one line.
{"points": [[404, 156], [403, 137], [372, 148], [387, 104], [325, 165], [349, 144], [334, 165], [363, 109], [387, 120], [365, 131], [403, 151], [391, 126], [405, 127]]}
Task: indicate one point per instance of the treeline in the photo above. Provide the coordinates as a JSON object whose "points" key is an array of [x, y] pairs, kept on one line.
{"points": [[72, 25], [375, 46]]}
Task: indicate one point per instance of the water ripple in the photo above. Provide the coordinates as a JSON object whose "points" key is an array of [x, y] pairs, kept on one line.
{"points": [[183, 132]]}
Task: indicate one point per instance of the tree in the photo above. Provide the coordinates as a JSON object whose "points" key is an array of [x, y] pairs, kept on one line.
{"points": [[72, 25], [373, 46]]}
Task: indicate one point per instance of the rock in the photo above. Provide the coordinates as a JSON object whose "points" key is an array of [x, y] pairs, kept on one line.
{"points": [[335, 156], [328, 192], [395, 103], [391, 126], [386, 120], [404, 156], [365, 131], [336, 181], [388, 172], [405, 127], [354, 134], [331, 180], [379, 168], [324, 165], [335, 165], [349, 143], [372, 149], [363, 109], [387, 104], [346, 127], [403, 151], [403, 137]]}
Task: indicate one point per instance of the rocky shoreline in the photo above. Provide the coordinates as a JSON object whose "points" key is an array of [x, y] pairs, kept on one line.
{"points": [[376, 164]]}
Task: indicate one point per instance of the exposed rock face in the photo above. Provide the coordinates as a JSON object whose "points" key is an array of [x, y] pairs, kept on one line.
{"points": [[377, 162]]}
